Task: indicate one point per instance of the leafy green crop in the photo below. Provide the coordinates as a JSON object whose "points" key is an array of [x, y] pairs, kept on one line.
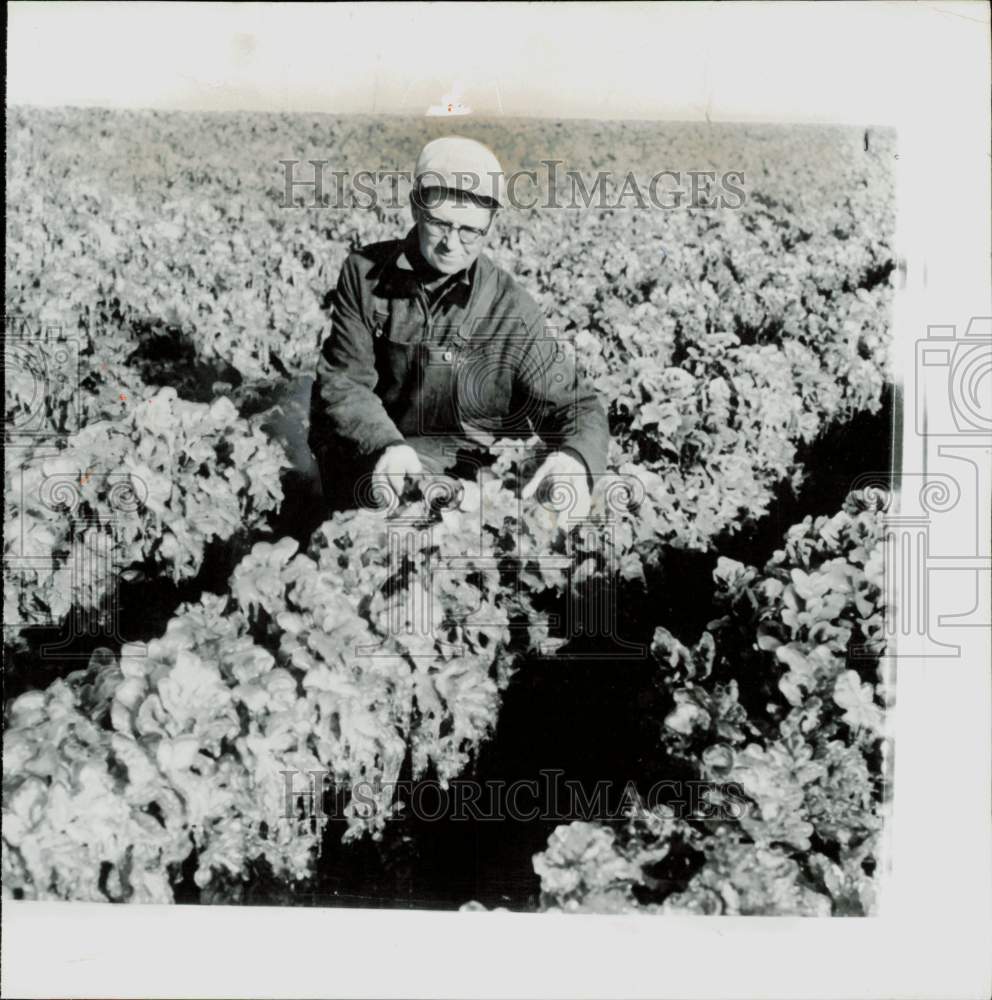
{"points": [[803, 751], [308, 666], [159, 252], [149, 489]]}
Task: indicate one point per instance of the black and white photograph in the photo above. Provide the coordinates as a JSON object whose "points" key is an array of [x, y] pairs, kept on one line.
{"points": [[496, 469]]}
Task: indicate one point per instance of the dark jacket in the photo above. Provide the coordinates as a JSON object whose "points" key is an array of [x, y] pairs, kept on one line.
{"points": [[458, 367]]}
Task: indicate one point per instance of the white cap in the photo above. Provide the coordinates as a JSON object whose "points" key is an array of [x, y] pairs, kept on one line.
{"points": [[459, 164]]}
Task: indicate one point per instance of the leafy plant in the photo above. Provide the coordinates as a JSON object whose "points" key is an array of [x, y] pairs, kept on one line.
{"points": [[804, 749], [146, 491], [724, 340]]}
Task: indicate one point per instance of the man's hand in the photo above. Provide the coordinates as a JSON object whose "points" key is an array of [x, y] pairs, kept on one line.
{"points": [[560, 469], [395, 463]]}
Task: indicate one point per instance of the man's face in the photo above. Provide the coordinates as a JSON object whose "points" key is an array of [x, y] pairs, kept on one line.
{"points": [[452, 251]]}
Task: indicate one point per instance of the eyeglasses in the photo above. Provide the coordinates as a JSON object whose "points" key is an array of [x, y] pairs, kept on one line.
{"points": [[468, 236]]}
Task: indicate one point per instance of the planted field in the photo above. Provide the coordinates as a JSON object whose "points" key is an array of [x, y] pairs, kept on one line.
{"points": [[185, 626]]}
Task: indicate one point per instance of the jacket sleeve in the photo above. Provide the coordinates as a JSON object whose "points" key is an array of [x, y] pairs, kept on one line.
{"points": [[566, 413], [344, 409]]}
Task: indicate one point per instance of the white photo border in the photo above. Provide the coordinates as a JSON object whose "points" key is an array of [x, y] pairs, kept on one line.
{"points": [[929, 78]]}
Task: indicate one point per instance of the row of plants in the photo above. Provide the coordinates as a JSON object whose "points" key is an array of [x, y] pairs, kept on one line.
{"points": [[144, 493], [387, 642], [779, 710], [140, 226], [117, 776], [723, 340], [192, 298]]}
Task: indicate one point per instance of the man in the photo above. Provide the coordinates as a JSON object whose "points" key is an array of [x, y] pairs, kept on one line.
{"points": [[435, 352]]}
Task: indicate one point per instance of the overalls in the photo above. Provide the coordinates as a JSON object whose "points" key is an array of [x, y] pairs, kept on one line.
{"points": [[447, 374]]}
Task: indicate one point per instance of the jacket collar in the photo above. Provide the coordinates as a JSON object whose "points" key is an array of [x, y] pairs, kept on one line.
{"points": [[410, 259], [405, 268]]}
